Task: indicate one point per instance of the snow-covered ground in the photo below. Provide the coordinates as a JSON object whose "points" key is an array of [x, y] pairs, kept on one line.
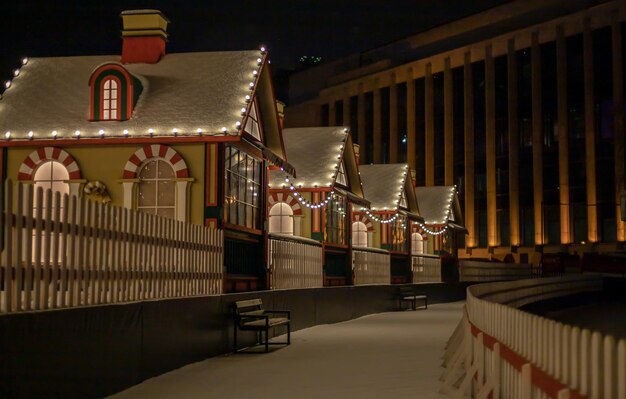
{"points": [[387, 355]]}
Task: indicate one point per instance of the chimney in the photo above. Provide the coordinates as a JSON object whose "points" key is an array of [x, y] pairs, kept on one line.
{"points": [[144, 36], [280, 108]]}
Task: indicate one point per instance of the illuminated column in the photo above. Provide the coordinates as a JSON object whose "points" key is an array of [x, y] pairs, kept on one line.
{"points": [[590, 135], [468, 111], [332, 118], [562, 114], [448, 111], [361, 128], [393, 119], [513, 145], [429, 115], [490, 148], [346, 108], [410, 119], [377, 136], [618, 120], [535, 69]]}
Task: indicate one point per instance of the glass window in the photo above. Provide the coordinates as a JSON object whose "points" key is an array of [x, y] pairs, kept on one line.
{"points": [[359, 234], [156, 191], [341, 175], [110, 100], [252, 125], [417, 244], [397, 234], [336, 228], [242, 188], [281, 219]]}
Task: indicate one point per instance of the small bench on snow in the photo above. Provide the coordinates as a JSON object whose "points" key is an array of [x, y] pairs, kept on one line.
{"points": [[249, 315], [409, 293]]}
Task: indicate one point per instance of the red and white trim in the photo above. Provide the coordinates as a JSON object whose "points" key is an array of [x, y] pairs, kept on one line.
{"points": [[43, 154], [275, 198], [364, 219], [155, 151]]}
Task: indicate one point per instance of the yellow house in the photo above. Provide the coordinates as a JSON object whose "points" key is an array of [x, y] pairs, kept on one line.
{"points": [[187, 136]]}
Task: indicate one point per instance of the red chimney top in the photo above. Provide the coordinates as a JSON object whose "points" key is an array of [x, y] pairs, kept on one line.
{"points": [[144, 36]]}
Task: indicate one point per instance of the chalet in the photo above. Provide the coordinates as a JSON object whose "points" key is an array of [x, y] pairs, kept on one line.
{"points": [[386, 225], [187, 136], [318, 203]]}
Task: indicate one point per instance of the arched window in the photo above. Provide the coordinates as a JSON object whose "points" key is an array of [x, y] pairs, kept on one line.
{"points": [[156, 191], [417, 244], [110, 99], [359, 234], [281, 219]]}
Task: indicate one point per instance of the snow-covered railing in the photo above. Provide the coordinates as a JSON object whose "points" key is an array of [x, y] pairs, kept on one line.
{"points": [[426, 268], [371, 266], [471, 270], [500, 351], [61, 252], [295, 262]]}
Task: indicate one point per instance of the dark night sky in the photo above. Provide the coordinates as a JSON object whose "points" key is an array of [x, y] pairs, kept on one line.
{"points": [[289, 28]]}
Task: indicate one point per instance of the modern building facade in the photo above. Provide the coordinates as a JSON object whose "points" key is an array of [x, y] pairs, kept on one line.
{"points": [[520, 106]]}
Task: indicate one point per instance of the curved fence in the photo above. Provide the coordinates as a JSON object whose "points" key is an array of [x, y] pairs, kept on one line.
{"points": [[371, 266], [500, 351], [295, 262], [471, 270]]}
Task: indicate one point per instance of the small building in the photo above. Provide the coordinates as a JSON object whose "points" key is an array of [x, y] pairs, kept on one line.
{"points": [[387, 224], [442, 231], [318, 204], [187, 136]]}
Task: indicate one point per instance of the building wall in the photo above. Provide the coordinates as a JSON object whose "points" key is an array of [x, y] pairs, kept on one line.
{"points": [[528, 123], [105, 163]]}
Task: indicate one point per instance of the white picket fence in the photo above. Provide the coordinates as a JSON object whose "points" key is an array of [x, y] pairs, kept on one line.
{"points": [[501, 351], [61, 252], [295, 262], [426, 268], [371, 266], [471, 270]]}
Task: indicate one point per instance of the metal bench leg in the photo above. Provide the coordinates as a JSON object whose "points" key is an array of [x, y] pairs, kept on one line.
{"points": [[288, 334], [267, 339], [414, 303], [235, 340]]}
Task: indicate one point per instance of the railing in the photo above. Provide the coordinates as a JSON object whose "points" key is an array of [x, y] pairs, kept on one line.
{"points": [[504, 352], [70, 252], [295, 262], [371, 266], [426, 268], [471, 270]]}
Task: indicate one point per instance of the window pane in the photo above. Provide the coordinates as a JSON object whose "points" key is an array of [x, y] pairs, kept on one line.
{"points": [[114, 94], [107, 85], [105, 115], [146, 193], [44, 172], [165, 170], [167, 193], [113, 114], [106, 93], [149, 170], [166, 212]]}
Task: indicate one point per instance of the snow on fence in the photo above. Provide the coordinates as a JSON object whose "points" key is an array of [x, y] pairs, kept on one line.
{"points": [[61, 252], [295, 262], [500, 351], [471, 270], [371, 266], [426, 268]]}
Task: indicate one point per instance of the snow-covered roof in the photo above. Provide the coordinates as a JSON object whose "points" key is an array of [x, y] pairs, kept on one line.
{"points": [[183, 91], [314, 152], [383, 184], [436, 203]]}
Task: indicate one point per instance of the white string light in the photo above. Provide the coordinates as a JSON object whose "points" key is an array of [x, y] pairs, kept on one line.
{"points": [[303, 201]]}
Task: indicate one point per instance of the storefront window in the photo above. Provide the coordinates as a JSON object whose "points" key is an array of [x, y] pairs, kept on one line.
{"points": [[336, 228], [397, 234], [242, 189]]}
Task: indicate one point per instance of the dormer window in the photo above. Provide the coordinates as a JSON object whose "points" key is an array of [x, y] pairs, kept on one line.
{"points": [[110, 99], [114, 93]]}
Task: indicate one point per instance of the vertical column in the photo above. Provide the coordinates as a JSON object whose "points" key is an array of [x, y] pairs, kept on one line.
{"points": [[361, 128], [535, 72], [448, 111], [618, 120], [429, 115], [377, 136], [410, 119], [514, 224], [490, 147], [393, 119], [468, 111], [332, 113], [346, 108], [562, 114], [590, 135]]}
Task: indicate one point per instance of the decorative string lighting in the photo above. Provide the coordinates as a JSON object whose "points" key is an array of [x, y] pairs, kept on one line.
{"points": [[432, 232], [303, 201]]}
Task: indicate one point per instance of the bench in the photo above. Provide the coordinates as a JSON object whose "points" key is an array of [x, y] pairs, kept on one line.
{"points": [[409, 293], [249, 315]]}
